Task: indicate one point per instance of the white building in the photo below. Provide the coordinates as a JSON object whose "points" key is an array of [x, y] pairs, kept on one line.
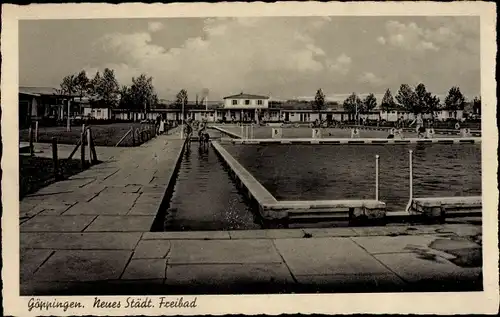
{"points": [[242, 107], [99, 113]]}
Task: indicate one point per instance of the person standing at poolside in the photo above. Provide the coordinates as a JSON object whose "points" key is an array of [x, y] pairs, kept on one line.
{"points": [[420, 125]]}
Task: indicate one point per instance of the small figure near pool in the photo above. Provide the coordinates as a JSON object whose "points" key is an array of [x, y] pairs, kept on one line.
{"points": [[420, 129]]}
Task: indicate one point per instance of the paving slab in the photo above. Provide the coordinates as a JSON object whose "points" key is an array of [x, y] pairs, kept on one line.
{"points": [[51, 208], [89, 208], [186, 235], [145, 269], [83, 241], [223, 251], [57, 223], [266, 234], [224, 274], [330, 232], [461, 230], [160, 190], [139, 209], [359, 282], [413, 268], [399, 244], [31, 260], [121, 224], [83, 265], [152, 249], [322, 256], [117, 189]]}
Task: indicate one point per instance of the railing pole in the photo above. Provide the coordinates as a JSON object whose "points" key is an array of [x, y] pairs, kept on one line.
{"points": [[376, 176], [55, 160], [410, 200], [32, 148], [82, 142], [242, 136], [36, 131], [89, 143], [411, 173]]}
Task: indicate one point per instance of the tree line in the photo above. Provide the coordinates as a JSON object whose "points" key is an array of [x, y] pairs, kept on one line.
{"points": [[416, 101], [105, 90]]}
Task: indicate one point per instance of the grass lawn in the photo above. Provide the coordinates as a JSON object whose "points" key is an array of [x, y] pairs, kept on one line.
{"points": [[38, 172], [104, 135]]}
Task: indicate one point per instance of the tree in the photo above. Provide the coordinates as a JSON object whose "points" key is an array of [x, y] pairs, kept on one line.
{"points": [[108, 88], [319, 100], [407, 99], [67, 86], [369, 103], [353, 104], [454, 100], [81, 83], [67, 89], [143, 93], [427, 102], [387, 101], [94, 86], [182, 100]]}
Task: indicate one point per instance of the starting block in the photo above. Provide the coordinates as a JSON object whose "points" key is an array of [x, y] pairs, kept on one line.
{"points": [[465, 133], [354, 133], [316, 133], [277, 133]]}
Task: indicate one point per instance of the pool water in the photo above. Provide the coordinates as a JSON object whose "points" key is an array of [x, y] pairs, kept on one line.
{"points": [[329, 172], [205, 197]]}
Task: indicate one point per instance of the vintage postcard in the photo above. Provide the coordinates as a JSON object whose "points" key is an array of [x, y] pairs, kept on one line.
{"points": [[249, 158]]}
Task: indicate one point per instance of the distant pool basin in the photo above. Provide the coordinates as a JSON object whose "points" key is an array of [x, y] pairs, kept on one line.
{"points": [[318, 172]]}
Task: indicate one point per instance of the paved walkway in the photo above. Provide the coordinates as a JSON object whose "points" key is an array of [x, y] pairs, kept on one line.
{"points": [[90, 234]]}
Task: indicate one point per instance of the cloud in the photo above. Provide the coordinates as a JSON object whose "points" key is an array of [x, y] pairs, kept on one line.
{"points": [[370, 78], [231, 55], [340, 65], [409, 37], [381, 40], [155, 26]]}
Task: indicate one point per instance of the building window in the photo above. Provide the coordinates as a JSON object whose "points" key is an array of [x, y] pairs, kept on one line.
{"points": [[235, 102], [98, 112], [247, 102], [259, 102]]}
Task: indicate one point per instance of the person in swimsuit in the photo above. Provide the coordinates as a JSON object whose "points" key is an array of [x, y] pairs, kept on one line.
{"points": [[188, 130], [420, 129]]}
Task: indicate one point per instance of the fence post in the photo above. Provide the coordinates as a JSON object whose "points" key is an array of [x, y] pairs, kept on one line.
{"points": [[55, 160], [90, 145], [82, 142], [36, 131], [32, 149], [376, 176]]}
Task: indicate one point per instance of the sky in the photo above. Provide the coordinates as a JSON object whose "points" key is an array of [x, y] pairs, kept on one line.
{"points": [[283, 57]]}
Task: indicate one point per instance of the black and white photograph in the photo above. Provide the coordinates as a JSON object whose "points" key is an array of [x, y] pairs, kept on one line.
{"points": [[162, 159]]}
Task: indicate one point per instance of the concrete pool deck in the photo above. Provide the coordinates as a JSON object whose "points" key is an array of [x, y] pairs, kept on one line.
{"points": [[90, 235], [373, 141]]}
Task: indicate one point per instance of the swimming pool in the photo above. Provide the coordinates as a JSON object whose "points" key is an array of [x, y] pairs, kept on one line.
{"points": [[318, 172]]}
